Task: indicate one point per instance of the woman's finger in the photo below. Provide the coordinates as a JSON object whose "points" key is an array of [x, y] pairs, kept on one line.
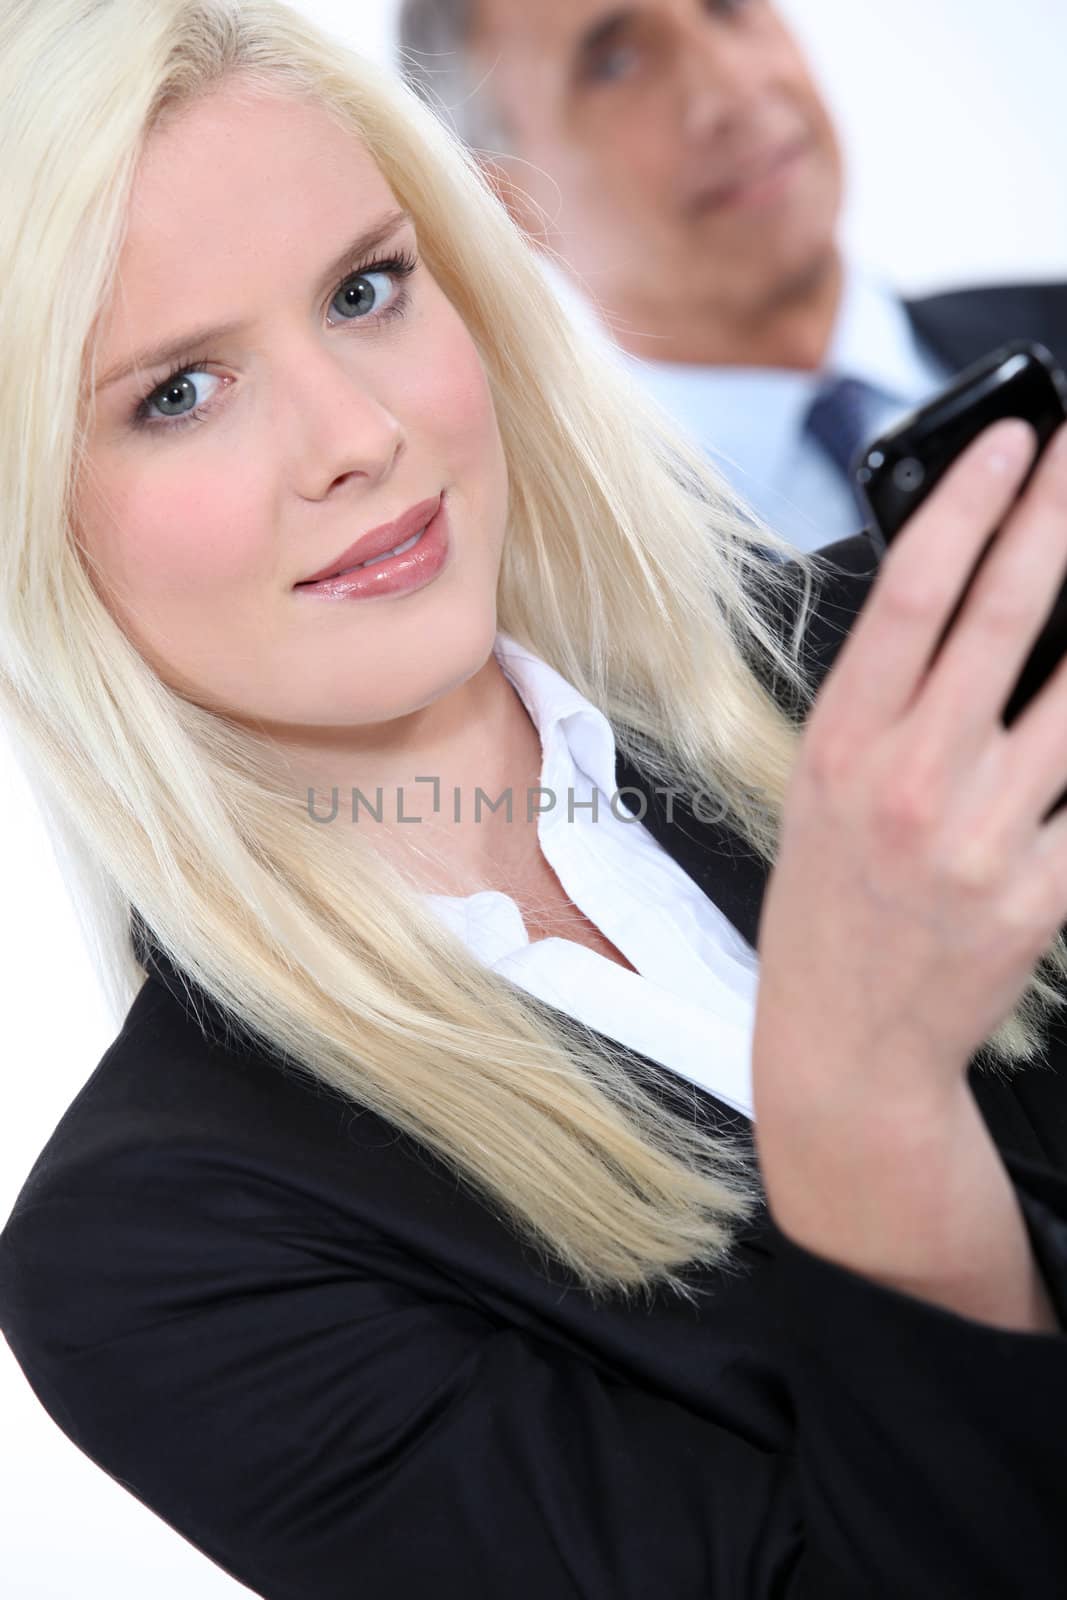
{"points": [[1013, 594], [883, 661]]}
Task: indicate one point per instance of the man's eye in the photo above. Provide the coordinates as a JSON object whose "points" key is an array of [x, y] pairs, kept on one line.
{"points": [[614, 63]]}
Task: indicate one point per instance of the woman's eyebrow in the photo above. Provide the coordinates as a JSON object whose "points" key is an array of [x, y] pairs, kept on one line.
{"points": [[161, 355]]}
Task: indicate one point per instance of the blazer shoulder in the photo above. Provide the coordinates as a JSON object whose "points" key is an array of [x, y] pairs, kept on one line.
{"points": [[1049, 292], [963, 325], [253, 1312]]}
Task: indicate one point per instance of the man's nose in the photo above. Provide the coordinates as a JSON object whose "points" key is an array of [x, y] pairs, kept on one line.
{"points": [[719, 76]]}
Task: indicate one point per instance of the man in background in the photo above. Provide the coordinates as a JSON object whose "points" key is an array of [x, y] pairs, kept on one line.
{"points": [[677, 159]]}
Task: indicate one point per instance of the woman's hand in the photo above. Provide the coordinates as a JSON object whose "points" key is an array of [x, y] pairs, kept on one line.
{"points": [[916, 883]]}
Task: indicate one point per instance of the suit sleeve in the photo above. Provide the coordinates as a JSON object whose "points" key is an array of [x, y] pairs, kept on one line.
{"points": [[927, 1441], [322, 1431]]}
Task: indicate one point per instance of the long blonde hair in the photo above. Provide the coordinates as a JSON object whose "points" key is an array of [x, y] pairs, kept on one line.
{"points": [[627, 566]]}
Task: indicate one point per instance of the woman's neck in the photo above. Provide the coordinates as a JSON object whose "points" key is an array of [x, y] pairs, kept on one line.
{"points": [[441, 778]]}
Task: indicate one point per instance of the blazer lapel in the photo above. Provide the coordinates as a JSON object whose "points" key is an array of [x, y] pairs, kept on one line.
{"points": [[718, 860], [725, 867]]}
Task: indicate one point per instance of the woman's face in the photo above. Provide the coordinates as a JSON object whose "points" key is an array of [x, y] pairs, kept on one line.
{"points": [[335, 403]]}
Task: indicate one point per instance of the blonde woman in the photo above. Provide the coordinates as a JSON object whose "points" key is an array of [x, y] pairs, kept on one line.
{"points": [[464, 1207]]}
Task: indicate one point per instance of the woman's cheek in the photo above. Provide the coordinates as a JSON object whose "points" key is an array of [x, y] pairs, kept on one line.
{"points": [[182, 532], [453, 394]]}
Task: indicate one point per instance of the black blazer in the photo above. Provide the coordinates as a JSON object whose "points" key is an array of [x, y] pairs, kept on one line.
{"points": [[962, 325], [294, 1335]]}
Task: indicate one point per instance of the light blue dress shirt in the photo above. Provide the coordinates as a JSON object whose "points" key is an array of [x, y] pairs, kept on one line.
{"points": [[750, 420]]}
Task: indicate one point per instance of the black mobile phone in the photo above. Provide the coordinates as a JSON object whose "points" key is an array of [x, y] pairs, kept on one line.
{"points": [[896, 471]]}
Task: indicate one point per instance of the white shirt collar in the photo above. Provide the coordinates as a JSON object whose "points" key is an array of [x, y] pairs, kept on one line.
{"points": [[689, 1002], [551, 700], [576, 740]]}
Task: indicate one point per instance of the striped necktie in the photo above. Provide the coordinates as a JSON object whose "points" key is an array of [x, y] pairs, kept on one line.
{"points": [[840, 420]]}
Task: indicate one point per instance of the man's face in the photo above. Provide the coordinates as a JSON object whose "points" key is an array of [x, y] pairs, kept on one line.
{"points": [[679, 147]]}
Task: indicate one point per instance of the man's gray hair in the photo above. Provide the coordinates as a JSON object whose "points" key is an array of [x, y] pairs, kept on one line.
{"points": [[434, 57]]}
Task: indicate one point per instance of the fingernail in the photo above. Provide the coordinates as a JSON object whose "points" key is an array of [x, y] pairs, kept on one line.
{"points": [[1011, 441]]}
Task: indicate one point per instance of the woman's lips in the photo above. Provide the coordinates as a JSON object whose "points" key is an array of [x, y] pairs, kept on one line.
{"points": [[379, 540], [396, 574]]}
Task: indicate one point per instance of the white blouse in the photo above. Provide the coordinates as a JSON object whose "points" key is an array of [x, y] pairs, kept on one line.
{"points": [[691, 1002]]}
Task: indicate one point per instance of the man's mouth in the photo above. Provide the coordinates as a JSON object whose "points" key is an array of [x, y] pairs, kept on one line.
{"points": [[754, 178]]}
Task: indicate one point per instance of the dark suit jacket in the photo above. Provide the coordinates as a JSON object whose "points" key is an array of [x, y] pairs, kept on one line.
{"points": [[288, 1330], [962, 325]]}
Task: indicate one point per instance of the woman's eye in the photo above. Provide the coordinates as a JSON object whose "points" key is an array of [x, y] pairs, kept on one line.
{"points": [[362, 293], [363, 296], [180, 396]]}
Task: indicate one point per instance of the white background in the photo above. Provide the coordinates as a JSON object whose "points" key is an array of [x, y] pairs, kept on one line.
{"points": [[949, 110]]}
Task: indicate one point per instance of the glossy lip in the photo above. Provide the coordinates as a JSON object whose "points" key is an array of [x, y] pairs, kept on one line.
{"points": [[397, 575], [762, 173], [375, 543]]}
